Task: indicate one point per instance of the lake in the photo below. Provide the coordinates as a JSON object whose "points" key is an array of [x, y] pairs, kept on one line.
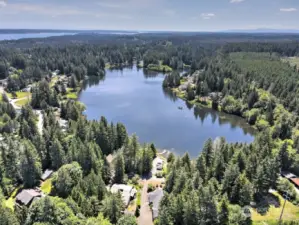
{"points": [[138, 100]]}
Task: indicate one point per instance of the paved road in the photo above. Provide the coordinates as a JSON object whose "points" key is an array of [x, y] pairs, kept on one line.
{"points": [[146, 217]]}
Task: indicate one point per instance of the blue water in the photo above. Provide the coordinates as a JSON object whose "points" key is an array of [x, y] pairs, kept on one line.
{"points": [[29, 35], [138, 101]]}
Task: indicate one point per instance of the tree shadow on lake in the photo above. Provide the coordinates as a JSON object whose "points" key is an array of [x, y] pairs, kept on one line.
{"points": [[150, 73], [169, 94], [235, 122], [92, 81]]}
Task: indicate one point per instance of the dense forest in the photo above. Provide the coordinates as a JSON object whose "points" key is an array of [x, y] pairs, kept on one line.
{"points": [[239, 74]]}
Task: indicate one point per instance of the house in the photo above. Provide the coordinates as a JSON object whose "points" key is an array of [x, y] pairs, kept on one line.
{"points": [[27, 196], [47, 174], [288, 175], [154, 199], [295, 181], [127, 192]]}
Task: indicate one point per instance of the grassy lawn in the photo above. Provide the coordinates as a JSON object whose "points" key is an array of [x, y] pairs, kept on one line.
{"points": [[291, 212], [71, 93], [159, 68], [22, 102], [46, 186], [20, 94], [10, 203], [53, 81]]}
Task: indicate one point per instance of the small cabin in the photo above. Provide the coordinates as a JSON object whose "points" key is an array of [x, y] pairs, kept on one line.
{"points": [[27, 196], [47, 174]]}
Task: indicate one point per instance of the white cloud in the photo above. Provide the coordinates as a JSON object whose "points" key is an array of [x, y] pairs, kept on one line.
{"points": [[236, 1], [288, 10], [3, 3], [207, 16]]}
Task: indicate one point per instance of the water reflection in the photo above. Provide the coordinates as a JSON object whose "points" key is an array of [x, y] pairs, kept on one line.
{"points": [[169, 94], [137, 99], [150, 74], [92, 81]]}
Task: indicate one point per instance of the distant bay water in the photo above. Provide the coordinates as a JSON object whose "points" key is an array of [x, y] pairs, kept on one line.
{"points": [[30, 35]]}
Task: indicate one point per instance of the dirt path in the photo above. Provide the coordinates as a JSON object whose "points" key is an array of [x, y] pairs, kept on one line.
{"points": [[146, 217]]}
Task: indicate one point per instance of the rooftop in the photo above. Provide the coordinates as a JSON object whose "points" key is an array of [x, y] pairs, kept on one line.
{"points": [[295, 181], [127, 192], [288, 175], [155, 198], [26, 196], [47, 174]]}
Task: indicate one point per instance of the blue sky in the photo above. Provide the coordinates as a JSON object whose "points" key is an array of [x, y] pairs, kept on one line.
{"points": [[176, 15]]}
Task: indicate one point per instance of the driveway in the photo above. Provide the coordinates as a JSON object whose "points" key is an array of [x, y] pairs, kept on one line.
{"points": [[154, 169], [146, 217]]}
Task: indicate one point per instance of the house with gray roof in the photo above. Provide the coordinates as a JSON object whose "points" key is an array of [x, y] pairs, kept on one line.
{"points": [[47, 174], [27, 196], [154, 199]]}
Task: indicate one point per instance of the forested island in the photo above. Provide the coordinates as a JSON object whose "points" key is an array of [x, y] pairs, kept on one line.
{"points": [[57, 167]]}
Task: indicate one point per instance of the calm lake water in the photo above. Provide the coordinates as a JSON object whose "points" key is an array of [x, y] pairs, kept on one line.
{"points": [[138, 100]]}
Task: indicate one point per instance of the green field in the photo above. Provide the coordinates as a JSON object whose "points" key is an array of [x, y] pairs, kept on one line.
{"points": [[291, 212], [46, 186], [22, 102], [71, 93], [20, 94], [159, 68], [10, 203]]}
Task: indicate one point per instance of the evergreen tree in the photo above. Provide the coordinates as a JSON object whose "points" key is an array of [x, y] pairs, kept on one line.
{"points": [[112, 207], [57, 154], [30, 165], [224, 211], [122, 135], [119, 168], [283, 157]]}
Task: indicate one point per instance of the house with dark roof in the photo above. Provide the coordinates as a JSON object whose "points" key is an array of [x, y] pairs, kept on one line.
{"points": [[27, 196], [154, 199], [47, 174], [287, 175]]}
